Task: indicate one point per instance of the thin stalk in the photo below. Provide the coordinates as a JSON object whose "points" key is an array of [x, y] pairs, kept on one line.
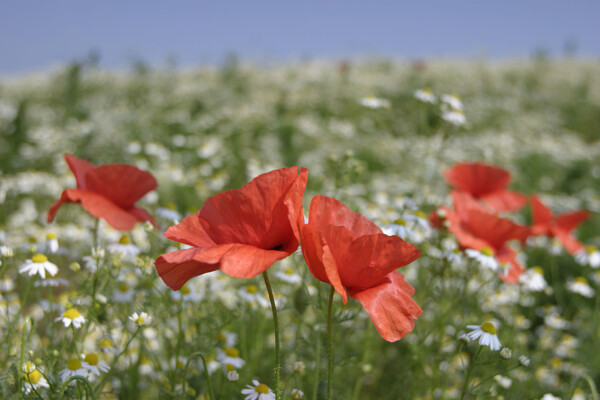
{"points": [[471, 368], [88, 387], [317, 366], [556, 282], [330, 343], [114, 362], [276, 324], [185, 370]]}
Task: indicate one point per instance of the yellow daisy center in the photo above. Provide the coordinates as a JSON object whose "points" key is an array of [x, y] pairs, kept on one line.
{"points": [[427, 90], [252, 289], [123, 287], [421, 214], [185, 289], [262, 388], [105, 343], [71, 313], [31, 239], [289, 271], [229, 367], [91, 358], [538, 270], [231, 352], [400, 221], [591, 249], [581, 279], [140, 320], [171, 206], [124, 240], [34, 376], [74, 364], [39, 258], [488, 327], [487, 251], [221, 337], [51, 236]]}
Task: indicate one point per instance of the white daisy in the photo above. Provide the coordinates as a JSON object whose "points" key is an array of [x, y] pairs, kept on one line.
{"points": [[549, 396], [425, 95], [34, 380], [188, 292], [169, 212], [258, 391], [297, 394], [74, 367], [141, 319], [289, 275], [94, 365], [72, 316], [589, 255], [486, 333], [6, 251], [228, 338], [106, 346], [485, 257], [455, 117], [124, 247], [398, 228], [233, 376], [252, 295], [581, 286], [230, 356], [524, 361], [299, 367], [6, 284], [452, 100], [374, 102], [533, 280], [124, 293], [51, 244], [51, 282], [93, 261], [39, 264]]}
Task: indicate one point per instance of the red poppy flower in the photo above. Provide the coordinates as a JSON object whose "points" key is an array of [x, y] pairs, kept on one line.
{"points": [[108, 192], [487, 184], [241, 232], [351, 253], [474, 228], [560, 227]]}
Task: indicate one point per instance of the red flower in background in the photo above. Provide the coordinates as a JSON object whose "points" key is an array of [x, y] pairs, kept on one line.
{"points": [[485, 183], [559, 227], [475, 228], [241, 232], [108, 192], [351, 253]]}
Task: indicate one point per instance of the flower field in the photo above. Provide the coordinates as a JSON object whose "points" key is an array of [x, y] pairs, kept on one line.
{"points": [[440, 240]]}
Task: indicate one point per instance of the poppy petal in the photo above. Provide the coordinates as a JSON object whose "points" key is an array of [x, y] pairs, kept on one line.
{"points": [[572, 220], [190, 231], [64, 198], [329, 211], [142, 216], [101, 207], [177, 267], [122, 184], [495, 230], [262, 213], [390, 306], [505, 200], [79, 168], [477, 178], [506, 255], [541, 216], [331, 269], [369, 259], [569, 242], [244, 261]]}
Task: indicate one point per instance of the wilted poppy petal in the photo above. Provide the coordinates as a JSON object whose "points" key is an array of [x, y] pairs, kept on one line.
{"points": [[122, 184], [390, 306], [79, 168], [477, 178], [369, 259], [101, 207], [570, 221], [244, 261], [505, 200], [329, 211], [177, 267], [258, 214]]}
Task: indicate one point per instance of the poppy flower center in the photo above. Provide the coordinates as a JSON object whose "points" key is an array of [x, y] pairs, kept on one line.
{"points": [[91, 358], [262, 388], [488, 327], [487, 251], [278, 247], [34, 376], [74, 364], [39, 258], [71, 313]]}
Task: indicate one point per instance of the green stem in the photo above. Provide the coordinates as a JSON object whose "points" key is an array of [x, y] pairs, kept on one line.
{"points": [[276, 323], [114, 362], [471, 368], [330, 343], [317, 366], [556, 282], [88, 388], [21, 356], [96, 233], [185, 370]]}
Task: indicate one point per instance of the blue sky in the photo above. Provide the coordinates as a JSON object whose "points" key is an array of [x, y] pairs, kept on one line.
{"points": [[37, 34]]}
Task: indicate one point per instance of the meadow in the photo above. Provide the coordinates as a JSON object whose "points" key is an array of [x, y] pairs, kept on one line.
{"points": [[375, 135]]}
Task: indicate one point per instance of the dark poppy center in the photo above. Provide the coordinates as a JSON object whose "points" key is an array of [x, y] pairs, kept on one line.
{"points": [[278, 247]]}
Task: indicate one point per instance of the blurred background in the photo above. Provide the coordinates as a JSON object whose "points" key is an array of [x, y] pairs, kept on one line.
{"points": [[37, 34]]}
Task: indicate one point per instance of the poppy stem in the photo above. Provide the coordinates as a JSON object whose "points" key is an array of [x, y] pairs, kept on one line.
{"points": [[276, 323], [330, 343]]}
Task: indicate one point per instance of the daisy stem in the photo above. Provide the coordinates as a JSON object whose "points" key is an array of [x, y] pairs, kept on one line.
{"points": [[96, 233], [471, 368], [329, 343], [187, 365], [276, 323], [556, 280]]}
